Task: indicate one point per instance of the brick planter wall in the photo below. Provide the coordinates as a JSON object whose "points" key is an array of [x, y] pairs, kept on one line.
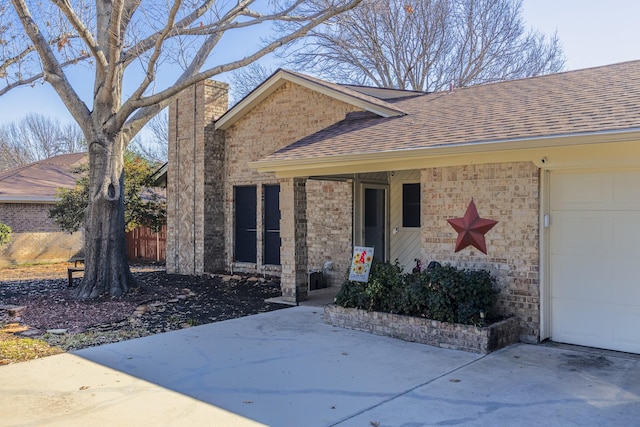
{"points": [[425, 331]]}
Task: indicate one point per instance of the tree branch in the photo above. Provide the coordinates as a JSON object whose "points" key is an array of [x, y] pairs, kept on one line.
{"points": [[191, 76], [150, 73], [82, 31], [52, 69]]}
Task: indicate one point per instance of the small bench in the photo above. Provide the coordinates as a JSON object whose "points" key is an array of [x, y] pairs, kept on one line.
{"points": [[75, 268]]}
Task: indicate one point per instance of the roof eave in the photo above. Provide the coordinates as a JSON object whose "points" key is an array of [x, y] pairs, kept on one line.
{"points": [[538, 150], [28, 199]]}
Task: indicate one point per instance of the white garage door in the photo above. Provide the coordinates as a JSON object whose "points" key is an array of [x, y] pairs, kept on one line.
{"points": [[595, 259]]}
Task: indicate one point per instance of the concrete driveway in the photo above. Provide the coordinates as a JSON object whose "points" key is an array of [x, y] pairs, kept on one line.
{"points": [[287, 368]]}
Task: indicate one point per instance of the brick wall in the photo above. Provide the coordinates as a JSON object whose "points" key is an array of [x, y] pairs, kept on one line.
{"points": [[190, 116], [287, 115], [426, 331], [330, 227], [508, 193], [35, 237], [205, 165]]}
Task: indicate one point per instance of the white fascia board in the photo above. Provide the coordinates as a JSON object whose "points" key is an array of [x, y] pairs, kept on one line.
{"points": [[514, 148]]}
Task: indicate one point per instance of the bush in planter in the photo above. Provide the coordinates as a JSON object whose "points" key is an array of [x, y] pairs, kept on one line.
{"points": [[447, 294], [458, 296], [384, 291]]}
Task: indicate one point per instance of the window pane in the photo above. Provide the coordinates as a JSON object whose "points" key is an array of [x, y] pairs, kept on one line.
{"points": [[245, 224], [411, 205], [271, 224]]}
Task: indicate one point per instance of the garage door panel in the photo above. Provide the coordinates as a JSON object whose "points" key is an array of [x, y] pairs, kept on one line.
{"points": [[579, 322], [622, 286], [588, 323], [626, 232], [579, 191], [575, 275], [627, 339], [595, 259], [626, 191], [580, 233]]}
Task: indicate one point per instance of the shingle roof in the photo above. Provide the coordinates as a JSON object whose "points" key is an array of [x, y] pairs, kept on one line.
{"points": [[37, 182], [586, 101]]}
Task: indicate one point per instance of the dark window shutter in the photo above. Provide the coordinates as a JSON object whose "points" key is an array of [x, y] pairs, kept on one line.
{"points": [[411, 205], [245, 249], [271, 224]]}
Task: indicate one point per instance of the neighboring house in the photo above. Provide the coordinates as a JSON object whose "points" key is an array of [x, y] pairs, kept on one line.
{"points": [[26, 195], [301, 170]]}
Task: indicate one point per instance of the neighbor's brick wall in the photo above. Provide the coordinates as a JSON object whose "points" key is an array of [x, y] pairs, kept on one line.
{"points": [[329, 227], [505, 192], [27, 217], [35, 238]]}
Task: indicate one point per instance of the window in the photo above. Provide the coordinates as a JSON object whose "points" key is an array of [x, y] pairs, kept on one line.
{"points": [[271, 247], [245, 247], [411, 205]]}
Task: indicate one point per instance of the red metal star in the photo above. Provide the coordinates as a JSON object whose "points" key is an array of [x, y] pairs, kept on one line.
{"points": [[471, 229]]}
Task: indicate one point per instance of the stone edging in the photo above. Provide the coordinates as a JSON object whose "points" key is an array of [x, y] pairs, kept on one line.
{"points": [[426, 331]]}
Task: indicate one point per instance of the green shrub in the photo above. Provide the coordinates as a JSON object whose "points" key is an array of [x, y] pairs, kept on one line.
{"points": [[5, 234], [385, 286], [447, 294]]}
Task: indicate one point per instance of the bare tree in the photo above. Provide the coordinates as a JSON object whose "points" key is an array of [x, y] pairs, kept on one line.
{"points": [[38, 137], [154, 144], [18, 61], [246, 79], [157, 48], [427, 45]]}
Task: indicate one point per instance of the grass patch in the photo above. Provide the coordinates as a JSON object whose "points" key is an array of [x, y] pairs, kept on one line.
{"points": [[15, 349], [77, 341]]}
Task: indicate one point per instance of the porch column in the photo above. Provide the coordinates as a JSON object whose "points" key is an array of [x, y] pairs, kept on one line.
{"points": [[293, 235]]}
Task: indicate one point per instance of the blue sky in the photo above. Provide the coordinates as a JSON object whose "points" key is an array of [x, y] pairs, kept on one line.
{"points": [[592, 32]]}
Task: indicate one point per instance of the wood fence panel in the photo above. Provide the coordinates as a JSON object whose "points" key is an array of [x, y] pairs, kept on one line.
{"points": [[143, 244]]}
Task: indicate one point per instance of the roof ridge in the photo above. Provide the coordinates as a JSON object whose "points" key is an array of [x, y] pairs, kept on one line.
{"points": [[563, 73], [9, 173]]}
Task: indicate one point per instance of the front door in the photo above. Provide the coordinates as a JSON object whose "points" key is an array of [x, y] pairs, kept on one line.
{"points": [[374, 221]]}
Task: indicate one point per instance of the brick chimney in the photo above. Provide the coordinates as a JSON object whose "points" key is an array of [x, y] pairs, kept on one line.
{"points": [[192, 145]]}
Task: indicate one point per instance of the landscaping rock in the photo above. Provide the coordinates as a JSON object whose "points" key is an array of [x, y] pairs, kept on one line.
{"points": [[13, 310], [151, 308]]}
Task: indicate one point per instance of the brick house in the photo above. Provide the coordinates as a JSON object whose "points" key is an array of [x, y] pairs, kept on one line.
{"points": [[26, 195], [301, 170]]}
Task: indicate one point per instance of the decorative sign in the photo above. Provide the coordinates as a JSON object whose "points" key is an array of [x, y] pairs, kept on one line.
{"points": [[361, 264], [471, 229]]}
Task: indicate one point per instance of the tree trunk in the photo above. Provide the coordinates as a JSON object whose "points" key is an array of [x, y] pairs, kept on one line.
{"points": [[106, 266]]}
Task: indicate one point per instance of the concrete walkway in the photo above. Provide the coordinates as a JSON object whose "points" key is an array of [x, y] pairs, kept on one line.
{"points": [[287, 368]]}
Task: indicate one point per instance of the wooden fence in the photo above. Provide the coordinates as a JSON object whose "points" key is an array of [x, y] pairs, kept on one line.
{"points": [[146, 245]]}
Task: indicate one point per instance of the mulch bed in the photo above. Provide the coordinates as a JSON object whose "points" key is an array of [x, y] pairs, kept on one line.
{"points": [[162, 302]]}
